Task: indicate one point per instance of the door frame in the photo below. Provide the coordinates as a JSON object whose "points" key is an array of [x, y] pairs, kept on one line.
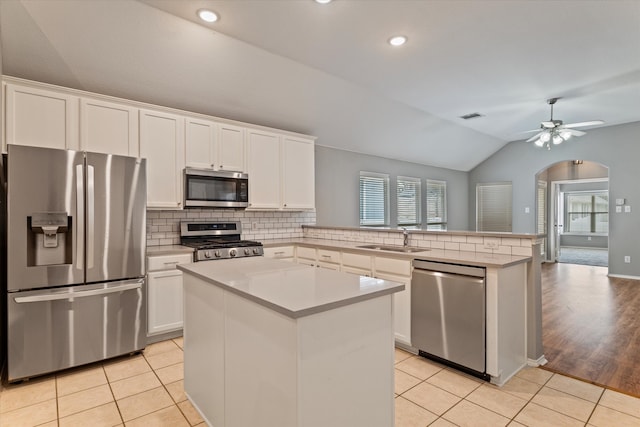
{"points": [[554, 201]]}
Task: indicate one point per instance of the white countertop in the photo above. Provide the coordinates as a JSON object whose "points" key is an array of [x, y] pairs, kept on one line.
{"points": [[291, 289], [479, 259]]}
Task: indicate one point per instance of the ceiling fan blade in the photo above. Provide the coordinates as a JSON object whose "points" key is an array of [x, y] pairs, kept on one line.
{"points": [[582, 124], [534, 137], [574, 132], [532, 130]]}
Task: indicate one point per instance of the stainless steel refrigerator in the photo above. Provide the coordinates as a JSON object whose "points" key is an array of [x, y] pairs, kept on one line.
{"points": [[76, 241]]}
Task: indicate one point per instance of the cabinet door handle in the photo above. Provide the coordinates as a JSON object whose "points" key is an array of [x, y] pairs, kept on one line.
{"points": [[221, 167]]}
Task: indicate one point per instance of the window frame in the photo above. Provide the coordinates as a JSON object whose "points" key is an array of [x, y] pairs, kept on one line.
{"points": [[592, 214], [385, 199]]}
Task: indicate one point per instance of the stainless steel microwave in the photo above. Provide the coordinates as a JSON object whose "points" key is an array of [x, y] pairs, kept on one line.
{"points": [[215, 189]]}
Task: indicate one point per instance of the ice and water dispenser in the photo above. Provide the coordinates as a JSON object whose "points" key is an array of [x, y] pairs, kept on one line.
{"points": [[49, 239]]}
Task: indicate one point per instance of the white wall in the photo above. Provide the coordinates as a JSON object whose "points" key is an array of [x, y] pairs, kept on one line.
{"points": [[337, 186], [617, 147]]}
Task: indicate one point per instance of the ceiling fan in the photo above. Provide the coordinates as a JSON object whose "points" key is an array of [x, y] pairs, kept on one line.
{"points": [[556, 132]]}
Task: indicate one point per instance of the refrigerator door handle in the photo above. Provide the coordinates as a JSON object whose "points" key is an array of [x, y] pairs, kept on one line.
{"points": [[90, 216], [79, 217], [125, 286]]}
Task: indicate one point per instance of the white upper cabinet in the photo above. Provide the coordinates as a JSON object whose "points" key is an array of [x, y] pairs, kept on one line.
{"points": [[162, 144], [108, 127], [298, 173], [264, 170], [40, 118], [200, 143], [281, 172], [217, 146], [231, 148]]}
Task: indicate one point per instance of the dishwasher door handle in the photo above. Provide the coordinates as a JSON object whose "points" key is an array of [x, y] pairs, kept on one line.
{"points": [[475, 279]]}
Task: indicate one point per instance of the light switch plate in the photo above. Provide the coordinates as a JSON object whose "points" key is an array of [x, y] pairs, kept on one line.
{"points": [[627, 209], [619, 202]]}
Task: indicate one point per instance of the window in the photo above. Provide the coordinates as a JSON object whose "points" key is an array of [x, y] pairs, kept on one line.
{"points": [[586, 212], [436, 205], [374, 198], [493, 207], [408, 194]]}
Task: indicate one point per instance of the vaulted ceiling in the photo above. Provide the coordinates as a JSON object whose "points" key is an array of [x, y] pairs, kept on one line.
{"points": [[327, 70]]}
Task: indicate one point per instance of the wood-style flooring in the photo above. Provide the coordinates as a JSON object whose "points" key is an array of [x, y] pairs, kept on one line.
{"points": [[591, 325]]}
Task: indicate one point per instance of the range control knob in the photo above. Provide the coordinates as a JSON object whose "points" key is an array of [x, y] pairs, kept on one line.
{"points": [[232, 253], [207, 254], [256, 251], [217, 254], [247, 251]]}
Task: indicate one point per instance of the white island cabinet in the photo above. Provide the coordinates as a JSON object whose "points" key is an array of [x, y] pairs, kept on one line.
{"points": [[271, 343]]}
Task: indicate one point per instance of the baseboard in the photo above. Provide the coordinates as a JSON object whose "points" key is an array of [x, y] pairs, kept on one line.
{"points": [[624, 276], [541, 361], [152, 339]]}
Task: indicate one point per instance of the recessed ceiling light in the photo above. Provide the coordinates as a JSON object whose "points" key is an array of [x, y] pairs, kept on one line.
{"points": [[207, 15], [323, 1], [397, 40]]}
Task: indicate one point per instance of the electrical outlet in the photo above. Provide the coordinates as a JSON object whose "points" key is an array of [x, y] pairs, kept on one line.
{"points": [[491, 244], [618, 209], [254, 225], [627, 259], [627, 209]]}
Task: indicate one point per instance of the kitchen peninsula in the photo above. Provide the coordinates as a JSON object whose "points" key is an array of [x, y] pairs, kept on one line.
{"points": [[272, 343]]}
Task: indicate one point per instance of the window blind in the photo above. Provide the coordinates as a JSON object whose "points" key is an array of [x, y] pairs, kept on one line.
{"points": [[493, 207], [436, 205], [542, 208], [408, 195], [374, 198]]}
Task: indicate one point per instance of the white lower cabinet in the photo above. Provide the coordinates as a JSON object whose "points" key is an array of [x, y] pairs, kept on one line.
{"points": [[398, 270], [164, 293], [401, 308]]}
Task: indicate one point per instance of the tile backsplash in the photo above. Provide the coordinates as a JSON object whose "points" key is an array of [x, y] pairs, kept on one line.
{"points": [[163, 227]]}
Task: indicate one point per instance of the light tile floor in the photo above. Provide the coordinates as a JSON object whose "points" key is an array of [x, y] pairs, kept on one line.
{"points": [[147, 390]]}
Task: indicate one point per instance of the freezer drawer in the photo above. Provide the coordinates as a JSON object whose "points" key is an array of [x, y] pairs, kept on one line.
{"points": [[448, 313], [65, 327]]}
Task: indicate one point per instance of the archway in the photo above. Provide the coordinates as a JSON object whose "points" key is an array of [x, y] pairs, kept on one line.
{"points": [[572, 209]]}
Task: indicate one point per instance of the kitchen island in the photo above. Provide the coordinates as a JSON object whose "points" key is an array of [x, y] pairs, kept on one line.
{"points": [[272, 343]]}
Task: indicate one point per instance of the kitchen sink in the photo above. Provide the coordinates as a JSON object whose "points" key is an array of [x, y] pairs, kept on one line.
{"points": [[406, 249]]}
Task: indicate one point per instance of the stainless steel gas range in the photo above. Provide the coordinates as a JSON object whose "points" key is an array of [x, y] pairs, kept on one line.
{"points": [[217, 240]]}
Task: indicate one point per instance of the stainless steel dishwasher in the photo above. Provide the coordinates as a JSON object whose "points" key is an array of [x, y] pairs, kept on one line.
{"points": [[448, 314]]}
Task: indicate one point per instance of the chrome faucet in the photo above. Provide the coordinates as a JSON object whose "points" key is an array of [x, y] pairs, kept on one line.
{"points": [[405, 235]]}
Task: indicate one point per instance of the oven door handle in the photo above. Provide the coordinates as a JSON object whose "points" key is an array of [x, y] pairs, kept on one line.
{"points": [[125, 286]]}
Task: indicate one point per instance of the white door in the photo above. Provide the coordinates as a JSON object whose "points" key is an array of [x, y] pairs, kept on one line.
{"points": [[264, 170], [41, 118], [162, 144], [200, 143], [107, 127], [231, 148], [298, 180]]}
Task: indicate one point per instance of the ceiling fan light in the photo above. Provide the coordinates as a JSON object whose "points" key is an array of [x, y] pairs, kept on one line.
{"points": [[539, 142], [545, 137], [565, 135], [557, 139]]}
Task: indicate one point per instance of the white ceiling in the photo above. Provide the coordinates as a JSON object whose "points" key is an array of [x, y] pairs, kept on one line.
{"points": [[327, 70]]}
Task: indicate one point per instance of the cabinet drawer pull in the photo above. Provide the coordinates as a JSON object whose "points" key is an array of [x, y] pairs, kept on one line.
{"points": [[326, 256], [172, 263], [279, 253]]}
